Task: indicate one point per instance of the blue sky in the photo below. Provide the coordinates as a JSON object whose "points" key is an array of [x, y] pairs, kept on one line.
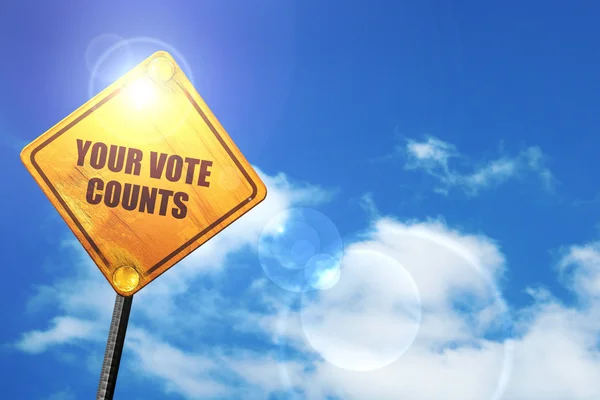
{"points": [[450, 146]]}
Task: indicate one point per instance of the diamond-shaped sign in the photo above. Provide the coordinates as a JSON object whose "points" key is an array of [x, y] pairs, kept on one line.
{"points": [[143, 173]]}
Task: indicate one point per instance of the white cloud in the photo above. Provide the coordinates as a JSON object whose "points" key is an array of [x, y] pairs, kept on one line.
{"points": [[435, 156], [265, 372], [368, 321], [554, 354], [367, 203], [64, 330], [432, 152], [181, 372], [66, 394], [580, 267], [557, 355]]}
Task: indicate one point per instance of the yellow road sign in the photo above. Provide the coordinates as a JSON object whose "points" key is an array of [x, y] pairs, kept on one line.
{"points": [[143, 174]]}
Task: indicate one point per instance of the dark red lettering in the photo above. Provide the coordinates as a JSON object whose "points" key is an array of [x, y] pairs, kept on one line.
{"points": [[192, 163], [204, 173], [174, 168], [180, 211], [94, 184], [98, 156], [166, 195], [112, 194], [116, 158], [82, 149], [148, 199], [157, 164], [131, 194], [134, 161]]}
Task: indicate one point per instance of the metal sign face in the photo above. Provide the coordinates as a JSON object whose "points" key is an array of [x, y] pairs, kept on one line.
{"points": [[143, 174]]}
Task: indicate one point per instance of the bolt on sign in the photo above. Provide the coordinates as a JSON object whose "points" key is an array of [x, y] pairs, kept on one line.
{"points": [[143, 174]]}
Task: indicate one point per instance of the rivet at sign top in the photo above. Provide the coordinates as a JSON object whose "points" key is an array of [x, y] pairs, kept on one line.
{"points": [[161, 68], [126, 278]]}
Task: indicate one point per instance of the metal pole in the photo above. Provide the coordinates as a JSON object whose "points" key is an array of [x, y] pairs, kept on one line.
{"points": [[114, 348]]}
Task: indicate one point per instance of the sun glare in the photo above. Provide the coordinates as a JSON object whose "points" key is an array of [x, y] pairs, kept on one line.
{"points": [[141, 92]]}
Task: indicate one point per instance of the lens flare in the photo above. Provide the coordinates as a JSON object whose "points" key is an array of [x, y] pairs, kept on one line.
{"points": [[141, 93], [322, 271], [369, 318], [161, 69], [111, 68], [300, 249], [119, 58]]}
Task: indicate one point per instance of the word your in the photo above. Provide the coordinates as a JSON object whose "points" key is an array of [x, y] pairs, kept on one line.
{"points": [[141, 198]]}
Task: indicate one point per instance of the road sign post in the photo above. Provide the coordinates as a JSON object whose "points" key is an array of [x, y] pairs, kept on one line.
{"points": [[143, 174], [114, 348]]}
